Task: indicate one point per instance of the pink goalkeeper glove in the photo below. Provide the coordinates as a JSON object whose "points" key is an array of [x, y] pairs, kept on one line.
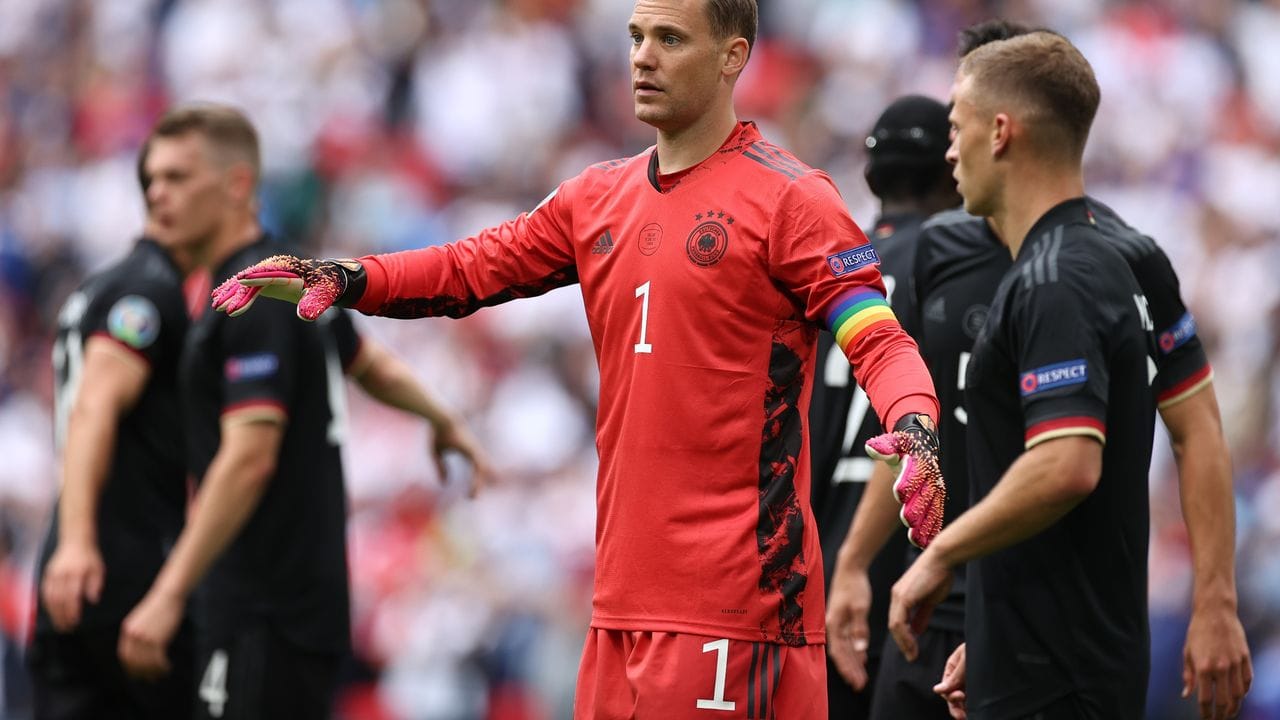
{"points": [[314, 285], [913, 447]]}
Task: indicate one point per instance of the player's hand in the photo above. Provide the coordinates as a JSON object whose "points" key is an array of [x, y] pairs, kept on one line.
{"points": [[951, 687], [314, 285], [847, 633], [455, 436], [1216, 663], [75, 573], [146, 632], [912, 448], [913, 598]]}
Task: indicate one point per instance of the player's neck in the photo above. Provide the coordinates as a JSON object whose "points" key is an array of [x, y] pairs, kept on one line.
{"points": [[1031, 194], [230, 239], [682, 149]]}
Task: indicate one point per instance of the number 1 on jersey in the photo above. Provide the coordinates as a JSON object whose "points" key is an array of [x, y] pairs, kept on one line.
{"points": [[643, 292]]}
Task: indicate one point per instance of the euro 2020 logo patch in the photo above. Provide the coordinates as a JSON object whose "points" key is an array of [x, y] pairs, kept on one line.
{"points": [[134, 321], [707, 243]]}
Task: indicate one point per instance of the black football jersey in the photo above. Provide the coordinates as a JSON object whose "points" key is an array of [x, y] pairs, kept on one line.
{"points": [[288, 565], [138, 304], [1066, 349], [1184, 367], [958, 265], [841, 421]]}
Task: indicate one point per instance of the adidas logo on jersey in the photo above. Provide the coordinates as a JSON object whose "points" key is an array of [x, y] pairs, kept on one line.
{"points": [[603, 245]]}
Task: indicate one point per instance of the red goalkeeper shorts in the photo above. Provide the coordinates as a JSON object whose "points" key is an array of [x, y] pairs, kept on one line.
{"points": [[628, 674]]}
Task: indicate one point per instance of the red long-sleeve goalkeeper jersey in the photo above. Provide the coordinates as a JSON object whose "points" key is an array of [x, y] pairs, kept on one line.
{"points": [[704, 292]]}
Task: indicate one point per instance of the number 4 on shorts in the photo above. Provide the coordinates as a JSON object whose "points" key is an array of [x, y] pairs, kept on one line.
{"points": [[213, 685]]}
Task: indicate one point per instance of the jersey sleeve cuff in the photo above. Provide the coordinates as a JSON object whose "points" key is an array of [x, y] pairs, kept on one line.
{"points": [[375, 285], [1064, 427], [124, 349], [258, 410], [918, 403], [1181, 391]]}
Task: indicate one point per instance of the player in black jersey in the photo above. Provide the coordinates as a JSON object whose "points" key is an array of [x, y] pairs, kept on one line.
{"points": [[1059, 409], [959, 263], [906, 689], [960, 260], [118, 427], [265, 415], [908, 172]]}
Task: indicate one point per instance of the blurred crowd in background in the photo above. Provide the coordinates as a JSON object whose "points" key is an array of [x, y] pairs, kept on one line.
{"points": [[391, 124]]}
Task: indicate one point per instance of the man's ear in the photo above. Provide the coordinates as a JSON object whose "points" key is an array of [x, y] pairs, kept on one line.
{"points": [[1001, 134], [241, 182], [735, 56]]}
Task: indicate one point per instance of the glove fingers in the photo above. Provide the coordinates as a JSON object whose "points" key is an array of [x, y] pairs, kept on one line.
{"points": [[289, 290], [907, 483], [316, 299], [923, 513], [889, 448], [927, 526], [232, 298], [241, 302], [250, 277], [224, 292], [257, 280]]}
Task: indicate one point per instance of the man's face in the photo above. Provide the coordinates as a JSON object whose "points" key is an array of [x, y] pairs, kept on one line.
{"points": [[970, 150], [187, 191], [675, 62]]}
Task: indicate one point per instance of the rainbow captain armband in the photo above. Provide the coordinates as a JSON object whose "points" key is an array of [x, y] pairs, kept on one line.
{"points": [[856, 313]]}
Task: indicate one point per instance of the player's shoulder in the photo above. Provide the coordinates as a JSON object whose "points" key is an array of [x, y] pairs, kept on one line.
{"points": [[953, 220], [1074, 254], [957, 226], [1136, 246], [610, 172], [776, 162], [1130, 242], [146, 270], [897, 234], [955, 234]]}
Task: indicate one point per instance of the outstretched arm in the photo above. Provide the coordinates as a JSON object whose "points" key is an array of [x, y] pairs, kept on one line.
{"points": [[112, 381], [390, 381], [231, 490], [1216, 658], [523, 257]]}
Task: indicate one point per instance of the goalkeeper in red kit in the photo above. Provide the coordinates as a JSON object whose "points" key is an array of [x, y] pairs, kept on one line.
{"points": [[707, 265]]}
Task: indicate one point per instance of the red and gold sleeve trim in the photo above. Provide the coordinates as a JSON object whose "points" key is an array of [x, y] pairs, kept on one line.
{"points": [[1064, 427], [248, 411], [1185, 389], [125, 348]]}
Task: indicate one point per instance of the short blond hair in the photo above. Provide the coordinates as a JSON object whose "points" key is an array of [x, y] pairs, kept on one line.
{"points": [[1046, 77], [226, 128]]}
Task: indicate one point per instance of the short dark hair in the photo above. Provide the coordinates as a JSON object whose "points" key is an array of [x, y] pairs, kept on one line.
{"points": [[733, 18], [1047, 77], [989, 31], [226, 128]]}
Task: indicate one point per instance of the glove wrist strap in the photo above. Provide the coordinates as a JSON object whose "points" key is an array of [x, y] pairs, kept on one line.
{"points": [[354, 281]]}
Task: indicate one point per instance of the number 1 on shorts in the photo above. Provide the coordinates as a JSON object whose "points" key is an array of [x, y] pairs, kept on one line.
{"points": [[722, 666]]}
